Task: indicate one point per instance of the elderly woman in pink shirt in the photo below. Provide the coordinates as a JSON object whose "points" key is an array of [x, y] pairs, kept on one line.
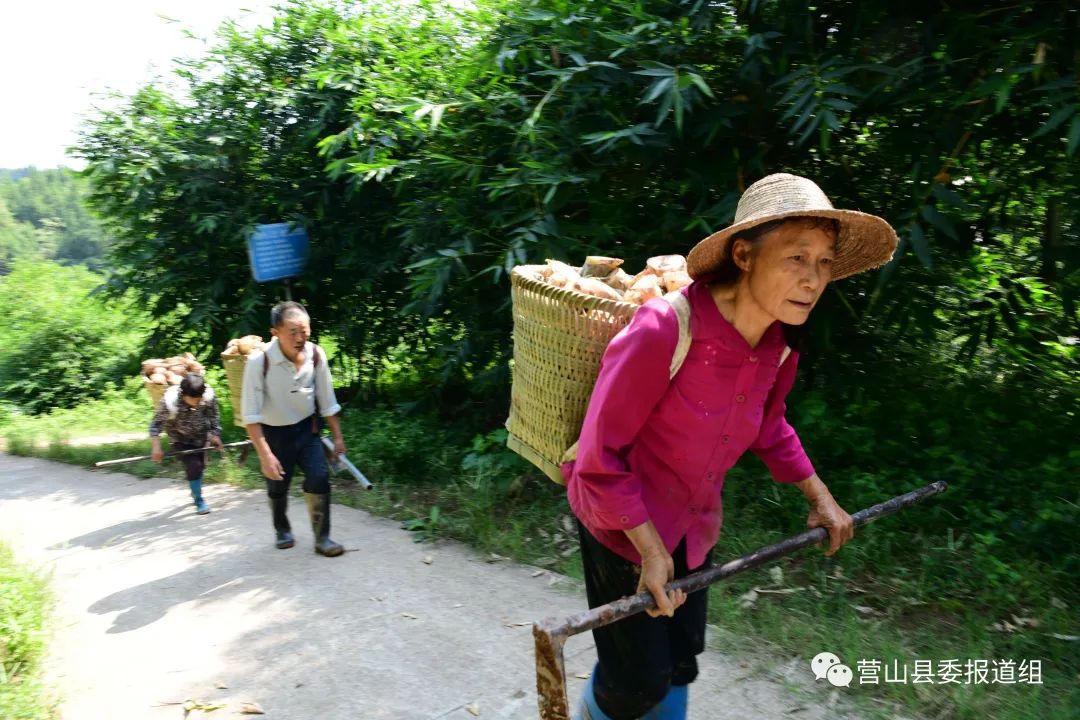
{"points": [[646, 483]]}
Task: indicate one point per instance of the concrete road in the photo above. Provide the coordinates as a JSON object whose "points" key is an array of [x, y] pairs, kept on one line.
{"points": [[157, 606]]}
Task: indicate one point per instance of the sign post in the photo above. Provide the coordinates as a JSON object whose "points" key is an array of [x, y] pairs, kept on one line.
{"points": [[278, 251]]}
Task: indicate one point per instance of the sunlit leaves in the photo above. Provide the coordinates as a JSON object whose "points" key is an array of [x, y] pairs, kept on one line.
{"points": [[675, 89], [432, 147]]}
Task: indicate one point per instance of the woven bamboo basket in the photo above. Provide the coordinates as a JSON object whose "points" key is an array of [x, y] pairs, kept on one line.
{"points": [[155, 391], [234, 377], [559, 338]]}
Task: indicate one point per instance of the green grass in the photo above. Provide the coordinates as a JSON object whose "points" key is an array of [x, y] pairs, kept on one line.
{"points": [[120, 410], [888, 596], [24, 607], [864, 604]]}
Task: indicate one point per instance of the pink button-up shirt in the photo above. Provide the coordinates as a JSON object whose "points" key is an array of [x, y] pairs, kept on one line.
{"points": [[658, 449]]}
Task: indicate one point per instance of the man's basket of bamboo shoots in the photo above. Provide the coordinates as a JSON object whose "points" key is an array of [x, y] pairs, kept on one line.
{"points": [[564, 318], [234, 359]]}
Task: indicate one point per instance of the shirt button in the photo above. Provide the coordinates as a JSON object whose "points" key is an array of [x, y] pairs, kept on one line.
{"points": [[752, 358], [708, 476], [624, 519], [725, 439], [740, 398], [693, 509]]}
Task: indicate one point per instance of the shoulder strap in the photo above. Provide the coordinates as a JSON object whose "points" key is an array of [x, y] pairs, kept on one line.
{"points": [[172, 404], [681, 305], [316, 355]]}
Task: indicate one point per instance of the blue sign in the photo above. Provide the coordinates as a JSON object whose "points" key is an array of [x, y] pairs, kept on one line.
{"points": [[277, 252]]}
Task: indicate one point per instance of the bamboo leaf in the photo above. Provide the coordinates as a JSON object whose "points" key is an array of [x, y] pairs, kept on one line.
{"points": [[838, 104], [810, 129], [677, 101], [701, 84], [946, 194], [657, 89], [792, 92], [939, 221], [1056, 120], [1074, 136], [919, 244]]}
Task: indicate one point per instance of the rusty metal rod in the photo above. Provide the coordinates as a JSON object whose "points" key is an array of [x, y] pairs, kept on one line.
{"points": [[624, 608], [550, 634]]}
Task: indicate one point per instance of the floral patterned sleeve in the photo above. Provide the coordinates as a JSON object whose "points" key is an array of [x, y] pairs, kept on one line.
{"points": [[161, 414]]}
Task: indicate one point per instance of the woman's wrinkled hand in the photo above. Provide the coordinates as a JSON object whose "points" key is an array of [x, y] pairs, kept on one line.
{"points": [[657, 570], [826, 513]]}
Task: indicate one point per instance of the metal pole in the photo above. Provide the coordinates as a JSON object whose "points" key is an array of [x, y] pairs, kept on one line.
{"points": [[288, 289], [551, 634], [340, 462]]}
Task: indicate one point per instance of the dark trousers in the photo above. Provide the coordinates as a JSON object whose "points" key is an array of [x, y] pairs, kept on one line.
{"points": [[194, 463], [297, 446], [641, 657]]}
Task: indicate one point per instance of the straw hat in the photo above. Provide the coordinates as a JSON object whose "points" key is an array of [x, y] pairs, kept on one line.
{"points": [[865, 242]]}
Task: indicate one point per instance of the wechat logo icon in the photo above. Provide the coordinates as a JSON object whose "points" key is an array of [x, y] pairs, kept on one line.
{"points": [[827, 666]]}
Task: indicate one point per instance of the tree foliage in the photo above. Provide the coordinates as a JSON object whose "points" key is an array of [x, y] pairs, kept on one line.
{"points": [[182, 182], [17, 240], [63, 345], [42, 216], [429, 150]]}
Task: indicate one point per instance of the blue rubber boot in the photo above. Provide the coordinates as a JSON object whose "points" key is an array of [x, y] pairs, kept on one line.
{"points": [[588, 709], [201, 508], [673, 706]]}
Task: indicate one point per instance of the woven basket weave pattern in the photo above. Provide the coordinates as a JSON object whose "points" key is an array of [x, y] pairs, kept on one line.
{"points": [[155, 391], [234, 377], [559, 338]]}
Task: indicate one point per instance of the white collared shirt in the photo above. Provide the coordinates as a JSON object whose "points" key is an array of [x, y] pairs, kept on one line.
{"points": [[286, 396]]}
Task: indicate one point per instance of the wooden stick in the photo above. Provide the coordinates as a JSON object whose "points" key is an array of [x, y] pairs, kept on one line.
{"points": [[121, 461]]}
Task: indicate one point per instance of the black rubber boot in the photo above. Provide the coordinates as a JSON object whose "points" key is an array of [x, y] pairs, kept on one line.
{"points": [[319, 510], [282, 528]]}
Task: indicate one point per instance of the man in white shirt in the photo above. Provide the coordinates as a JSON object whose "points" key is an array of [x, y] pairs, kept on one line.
{"points": [[286, 390]]}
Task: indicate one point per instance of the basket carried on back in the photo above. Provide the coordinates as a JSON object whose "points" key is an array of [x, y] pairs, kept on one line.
{"points": [[234, 378], [559, 339], [156, 391], [161, 373]]}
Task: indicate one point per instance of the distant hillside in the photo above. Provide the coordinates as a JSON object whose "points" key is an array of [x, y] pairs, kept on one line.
{"points": [[7, 175], [42, 216]]}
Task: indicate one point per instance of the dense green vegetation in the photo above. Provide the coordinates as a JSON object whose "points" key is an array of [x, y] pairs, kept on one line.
{"points": [[429, 149], [24, 605], [43, 217], [63, 347], [529, 129]]}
